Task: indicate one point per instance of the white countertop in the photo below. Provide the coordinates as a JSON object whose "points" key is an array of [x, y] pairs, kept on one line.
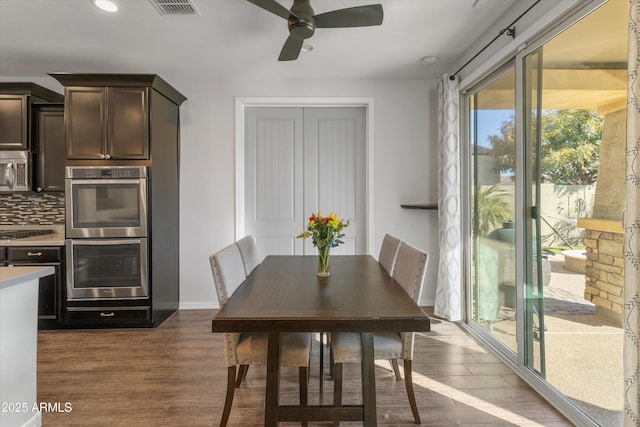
{"points": [[10, 276], [19, 338]]}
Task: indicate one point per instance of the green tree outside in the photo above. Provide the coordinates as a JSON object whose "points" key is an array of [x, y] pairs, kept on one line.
{"points": [[570, 148], [490, 208]]}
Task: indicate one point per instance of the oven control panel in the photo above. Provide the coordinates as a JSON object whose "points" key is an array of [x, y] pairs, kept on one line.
{"points": [[105, 172]]}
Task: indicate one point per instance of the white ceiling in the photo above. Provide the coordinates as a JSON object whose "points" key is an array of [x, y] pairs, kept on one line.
{"points": [[234, 38]]}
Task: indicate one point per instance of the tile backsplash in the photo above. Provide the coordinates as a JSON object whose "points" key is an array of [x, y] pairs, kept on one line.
{"points": [[31, 208]]}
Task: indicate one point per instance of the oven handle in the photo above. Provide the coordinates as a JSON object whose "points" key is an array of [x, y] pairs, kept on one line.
{"points": [[122, 241], [134, 181]]}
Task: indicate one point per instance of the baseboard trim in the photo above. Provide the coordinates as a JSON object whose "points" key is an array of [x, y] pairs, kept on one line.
{"points": [[198, 306], [427, 303]]}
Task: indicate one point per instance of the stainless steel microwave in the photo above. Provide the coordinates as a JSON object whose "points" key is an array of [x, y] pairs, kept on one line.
{"points": [[15, 171]]}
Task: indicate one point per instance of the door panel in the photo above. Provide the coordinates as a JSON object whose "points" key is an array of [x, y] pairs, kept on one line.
{"points": [[534, 298], [273, 179], [84, 122], [128, 123], [13, 122], [335, 172], [494, 287], [299, 161]]}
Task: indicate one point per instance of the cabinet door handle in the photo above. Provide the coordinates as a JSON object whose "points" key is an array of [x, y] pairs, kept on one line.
{"points": [[11, 176], [107, 156], [103, 314], [102, 156], [34, 253]]}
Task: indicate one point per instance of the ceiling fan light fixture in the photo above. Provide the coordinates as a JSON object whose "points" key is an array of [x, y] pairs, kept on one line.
{"points": [[106, 5], [307, 47]]}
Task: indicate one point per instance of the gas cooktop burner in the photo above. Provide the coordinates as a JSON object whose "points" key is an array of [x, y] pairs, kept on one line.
{"points": [[22, 234]]}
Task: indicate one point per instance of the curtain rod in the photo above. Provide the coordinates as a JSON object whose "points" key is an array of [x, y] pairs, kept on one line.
{"points": [[509, 29]]}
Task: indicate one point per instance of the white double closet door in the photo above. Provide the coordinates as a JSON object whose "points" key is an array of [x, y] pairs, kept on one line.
{"points": [[300, 160]]}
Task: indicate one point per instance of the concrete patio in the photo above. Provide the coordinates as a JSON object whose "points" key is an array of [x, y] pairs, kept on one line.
{"points": [[583, 351]]}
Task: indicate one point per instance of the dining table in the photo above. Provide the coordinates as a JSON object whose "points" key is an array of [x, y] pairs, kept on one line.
{"points": [[285, 294]]}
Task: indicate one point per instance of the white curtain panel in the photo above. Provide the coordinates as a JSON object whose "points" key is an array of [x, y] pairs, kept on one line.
{"points": [[448, 301], [631, 317]]}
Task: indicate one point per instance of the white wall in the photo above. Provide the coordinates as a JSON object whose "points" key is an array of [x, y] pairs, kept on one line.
{"points": [[405, 165]]}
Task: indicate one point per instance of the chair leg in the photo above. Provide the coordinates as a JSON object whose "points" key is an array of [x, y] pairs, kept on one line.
{"points": [[303, 373], [228, 400], [396, 370], [337, 388], [408, 383], [242, 374], [331, 365]]}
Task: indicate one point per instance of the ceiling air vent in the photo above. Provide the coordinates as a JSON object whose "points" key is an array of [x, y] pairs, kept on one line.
{"points": [[175, 7]]}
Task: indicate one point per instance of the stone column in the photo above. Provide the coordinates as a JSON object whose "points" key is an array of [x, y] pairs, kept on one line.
{"points": [[604, 272]]}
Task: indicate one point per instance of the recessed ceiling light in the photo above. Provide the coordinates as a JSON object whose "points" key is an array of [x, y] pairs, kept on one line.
{"points": [[106, 5], [429, 60], [307, 48]]}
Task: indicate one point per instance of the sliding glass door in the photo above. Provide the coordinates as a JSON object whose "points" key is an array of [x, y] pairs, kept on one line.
{"points": [[532, 250], [546, 143], [492, 192]]}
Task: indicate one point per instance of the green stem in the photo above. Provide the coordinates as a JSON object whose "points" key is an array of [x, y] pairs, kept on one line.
{"points": [[323, 260]]}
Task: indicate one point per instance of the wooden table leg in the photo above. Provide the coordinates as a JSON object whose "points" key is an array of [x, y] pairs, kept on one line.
{"points": [[321, 385], [272, 393], [367, 367]]}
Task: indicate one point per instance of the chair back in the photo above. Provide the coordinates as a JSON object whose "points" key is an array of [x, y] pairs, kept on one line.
{"points": [[409, 271], [388, 252], [410, 268], [228, 272], [249, 253]]}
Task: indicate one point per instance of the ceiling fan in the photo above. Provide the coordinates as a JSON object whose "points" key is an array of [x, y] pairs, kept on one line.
{"points": [[303, 21]]}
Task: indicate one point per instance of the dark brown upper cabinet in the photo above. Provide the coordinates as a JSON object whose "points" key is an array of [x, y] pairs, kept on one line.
{"points": [[13, 122], [15, 109], [49, 145], [116, 116], [105, 123]]}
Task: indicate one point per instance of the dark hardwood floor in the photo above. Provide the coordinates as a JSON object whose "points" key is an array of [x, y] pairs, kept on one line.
{"points": [[175, 375]]}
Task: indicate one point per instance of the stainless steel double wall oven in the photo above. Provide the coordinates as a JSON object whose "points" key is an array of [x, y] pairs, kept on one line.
{"points": [[107, 233]]}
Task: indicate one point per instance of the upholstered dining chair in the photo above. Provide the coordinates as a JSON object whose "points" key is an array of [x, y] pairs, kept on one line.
{"points": [[249, 253], [244, 349], [388, 252], [409, 271]]}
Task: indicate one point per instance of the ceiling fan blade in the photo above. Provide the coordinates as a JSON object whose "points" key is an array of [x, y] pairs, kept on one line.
{"points": [[360, 16], [274, 7], [291, 49]]}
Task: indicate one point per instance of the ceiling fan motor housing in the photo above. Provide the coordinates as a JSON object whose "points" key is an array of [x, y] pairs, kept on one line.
{"points": [[301, 22], [301, 28]]}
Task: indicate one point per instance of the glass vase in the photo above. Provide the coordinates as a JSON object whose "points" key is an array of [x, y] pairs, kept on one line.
{"points": [[323, 262]]}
